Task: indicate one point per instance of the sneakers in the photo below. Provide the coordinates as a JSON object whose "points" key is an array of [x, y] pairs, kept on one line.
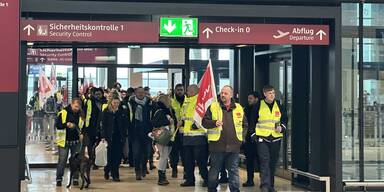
{"points": [[58, 184]]}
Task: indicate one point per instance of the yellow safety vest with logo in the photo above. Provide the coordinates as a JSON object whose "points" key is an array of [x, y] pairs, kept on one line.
{"points": [[177, 107], [61, 133], [267, 120], [188, 111], [89, 111], [217, 114]]}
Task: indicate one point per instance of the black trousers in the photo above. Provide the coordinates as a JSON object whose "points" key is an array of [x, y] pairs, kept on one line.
{"points": [[91, 142], [268, 153], [193, 154], [176, 154], [115, 153], [250, 152], [141, 150], [130, 151]]}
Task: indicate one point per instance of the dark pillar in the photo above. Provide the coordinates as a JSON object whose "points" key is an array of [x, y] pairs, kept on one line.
{"points": [[300, 99], [245, 72]]}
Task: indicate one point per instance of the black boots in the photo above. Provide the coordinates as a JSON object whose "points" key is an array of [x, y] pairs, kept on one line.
{"points": [[162, 178]]}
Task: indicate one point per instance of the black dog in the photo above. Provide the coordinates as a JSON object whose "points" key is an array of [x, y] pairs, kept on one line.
{"points": [[80, 164]]}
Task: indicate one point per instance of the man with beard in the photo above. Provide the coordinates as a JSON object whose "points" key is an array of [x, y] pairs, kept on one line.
{"points": [[93, 110], [176, 153]]}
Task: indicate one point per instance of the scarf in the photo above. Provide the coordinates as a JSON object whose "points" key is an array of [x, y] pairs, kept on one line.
{"points": [[139, 109]]}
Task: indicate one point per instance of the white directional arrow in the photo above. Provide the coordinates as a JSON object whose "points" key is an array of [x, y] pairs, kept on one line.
{"points": [[208, 31], [321, 33], [28, 28], [170, 26]]}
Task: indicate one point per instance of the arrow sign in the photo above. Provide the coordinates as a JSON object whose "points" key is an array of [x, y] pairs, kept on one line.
{"points": [[321, 33], [169, 27], [28, 28], [207, 31]]}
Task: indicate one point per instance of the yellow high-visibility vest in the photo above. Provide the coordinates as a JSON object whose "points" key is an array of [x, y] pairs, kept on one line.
{"points": [[89, 111], [177, 107], [217, 114], [267, 120], [61, 133], [188, 112]]}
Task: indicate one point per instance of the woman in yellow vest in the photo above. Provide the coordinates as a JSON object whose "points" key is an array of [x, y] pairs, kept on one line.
{"points": [[271, 122], [69, 123]]}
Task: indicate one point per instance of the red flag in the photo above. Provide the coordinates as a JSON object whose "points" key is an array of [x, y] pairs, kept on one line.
{"points": [[45, 87], [53, 76], [207, 94]]}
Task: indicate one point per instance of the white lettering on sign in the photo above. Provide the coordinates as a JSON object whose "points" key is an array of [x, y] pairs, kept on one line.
{"points": [[303, 31], [302, 34], [88, 27], [4, 4], [231, 29]]}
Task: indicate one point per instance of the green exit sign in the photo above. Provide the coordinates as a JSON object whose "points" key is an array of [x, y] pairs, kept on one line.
{"points": [[178, 27]]}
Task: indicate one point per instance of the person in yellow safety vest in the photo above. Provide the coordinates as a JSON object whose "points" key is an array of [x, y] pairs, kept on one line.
{"points": [[227, 127], [271, 120], [69, 123], [177, 149], [93, 113], [194, 141]]}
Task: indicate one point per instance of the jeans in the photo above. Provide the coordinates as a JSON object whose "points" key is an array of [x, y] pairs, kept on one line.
{"points": [[141, 150], [63, 157], [231, 162], [115, 153], [192, 154], [268, 156], [164, 154]]}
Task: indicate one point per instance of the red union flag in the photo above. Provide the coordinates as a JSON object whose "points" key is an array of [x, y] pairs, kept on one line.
{"points": [[207, 94]]}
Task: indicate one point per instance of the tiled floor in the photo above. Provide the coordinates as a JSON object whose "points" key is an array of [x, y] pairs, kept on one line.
{"points": [[43, 180]]}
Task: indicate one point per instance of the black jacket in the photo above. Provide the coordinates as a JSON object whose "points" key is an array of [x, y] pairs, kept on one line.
{"points": [[94, 123], [72, 134], [113, 122], [141, 129]]}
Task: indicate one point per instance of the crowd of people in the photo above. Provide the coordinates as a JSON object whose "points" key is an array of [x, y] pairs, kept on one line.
{"points": [[129, 120]]}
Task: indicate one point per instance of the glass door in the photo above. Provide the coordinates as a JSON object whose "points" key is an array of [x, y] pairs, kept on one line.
{"points": [[92, 77], [159, 80], [280, 76]]}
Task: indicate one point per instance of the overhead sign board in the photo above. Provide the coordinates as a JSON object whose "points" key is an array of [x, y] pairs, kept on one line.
{"points": [[234, 33], [178, 27], [88, 31], [9, 49]]}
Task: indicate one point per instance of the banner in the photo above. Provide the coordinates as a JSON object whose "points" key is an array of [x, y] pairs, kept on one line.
{"points": [[207, 94]]}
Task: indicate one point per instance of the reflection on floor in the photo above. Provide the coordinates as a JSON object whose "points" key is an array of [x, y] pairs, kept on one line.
{"points": [[44, 181], [39, 153]]}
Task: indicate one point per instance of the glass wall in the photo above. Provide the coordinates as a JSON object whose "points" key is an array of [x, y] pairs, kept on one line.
{"points": [[222, 63], [373, 92], [49, 77]]}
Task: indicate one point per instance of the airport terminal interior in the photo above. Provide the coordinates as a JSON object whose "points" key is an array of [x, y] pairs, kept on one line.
{"points": [[327, 73]]}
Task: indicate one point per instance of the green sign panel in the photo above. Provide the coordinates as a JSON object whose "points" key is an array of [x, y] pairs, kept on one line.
{"points": [[178, 27]]}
